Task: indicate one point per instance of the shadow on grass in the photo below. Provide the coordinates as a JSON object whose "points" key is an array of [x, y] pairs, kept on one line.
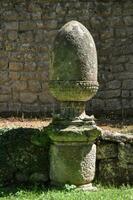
{"points": [[39, 188]]}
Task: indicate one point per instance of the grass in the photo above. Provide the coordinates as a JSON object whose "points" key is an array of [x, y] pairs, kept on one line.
{"points": [[36, 193]]}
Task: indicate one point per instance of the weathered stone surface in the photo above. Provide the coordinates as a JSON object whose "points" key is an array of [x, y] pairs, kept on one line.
{"points": [[113, 104], [4, 77], [107, 150], [23, 161], [70, 163], [14, 75], [73, 80], [73, 132], [28, 97], [16, 66], [115, 84], [34, 86], [3, 64], [73, 70], [4, 98], [118, 169], [127, 84], [117, 137], [27, 32], [125, 153], [110, 172], [11, 25], [12, 35], [27, 25], [19, 85]]}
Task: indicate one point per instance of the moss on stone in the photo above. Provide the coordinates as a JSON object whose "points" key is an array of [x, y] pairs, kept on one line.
{"points": [[21, 156]]}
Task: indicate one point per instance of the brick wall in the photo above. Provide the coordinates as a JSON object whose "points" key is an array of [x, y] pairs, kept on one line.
{"points": [[27, 30]]}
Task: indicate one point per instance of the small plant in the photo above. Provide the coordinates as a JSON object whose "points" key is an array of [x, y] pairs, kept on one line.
{"points": [[69, 187]]}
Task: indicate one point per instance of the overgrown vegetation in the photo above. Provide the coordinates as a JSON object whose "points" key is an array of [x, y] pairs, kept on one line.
{"points": [[37, 193]]}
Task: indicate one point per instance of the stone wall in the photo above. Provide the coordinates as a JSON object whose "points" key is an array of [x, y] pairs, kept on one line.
{"points": [[24, 156], [27, 30], [115, 158], [28, 161]]}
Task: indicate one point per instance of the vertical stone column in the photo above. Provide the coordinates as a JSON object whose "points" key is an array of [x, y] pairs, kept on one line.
{"points": [[73, 81]]}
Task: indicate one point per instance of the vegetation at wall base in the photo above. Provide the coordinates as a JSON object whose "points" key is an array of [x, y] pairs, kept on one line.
{"points": [[41, 193]]}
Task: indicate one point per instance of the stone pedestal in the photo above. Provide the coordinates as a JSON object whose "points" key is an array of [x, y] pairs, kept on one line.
{"points": [[73, 81], [72, 163], [73, 152]]}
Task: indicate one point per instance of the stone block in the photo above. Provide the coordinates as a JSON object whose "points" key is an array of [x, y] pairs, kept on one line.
{"points": [[115, 84], [15, 96], [21, 160], [14, 107], [98, 104], [4, 77], [127, 84], [26, 76], [26, 36], [15, 66], [123, 75], [30, 108], [1, 35], [11, 25], [9, 46], [107, 34], [42, 75], [112, 94], [12, 35], [23, 15], [39, 36], [5, 89], [27, 25], [129, 30], [36, 15], [3, 63], [130, 57], [46, 97], [125, 93], [42, 66], [116, 21], [39, 24], [27, 97], [10, 15], [117, 68], [120, 33], [5, 97], [129, 67], [70, 163], [107, 150], [29, 57], [34, 86], [29, 66], [125, 153], [14, 75], [113, 104], [128, 20], [110, 172], [16, 56], [19, 85], [3, 107], [130, 173], [128, 12], [51, 24]]}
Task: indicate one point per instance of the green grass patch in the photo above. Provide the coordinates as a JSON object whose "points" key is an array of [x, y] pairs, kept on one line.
{"points": [[36, 193]]}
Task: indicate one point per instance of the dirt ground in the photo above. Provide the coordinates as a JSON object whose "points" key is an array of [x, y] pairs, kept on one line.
{"points": [[114, 126], [25, 123]]}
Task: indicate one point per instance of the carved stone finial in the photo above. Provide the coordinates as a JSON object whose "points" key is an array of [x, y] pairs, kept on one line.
{"points": [[73, 80], [73, 70]]}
